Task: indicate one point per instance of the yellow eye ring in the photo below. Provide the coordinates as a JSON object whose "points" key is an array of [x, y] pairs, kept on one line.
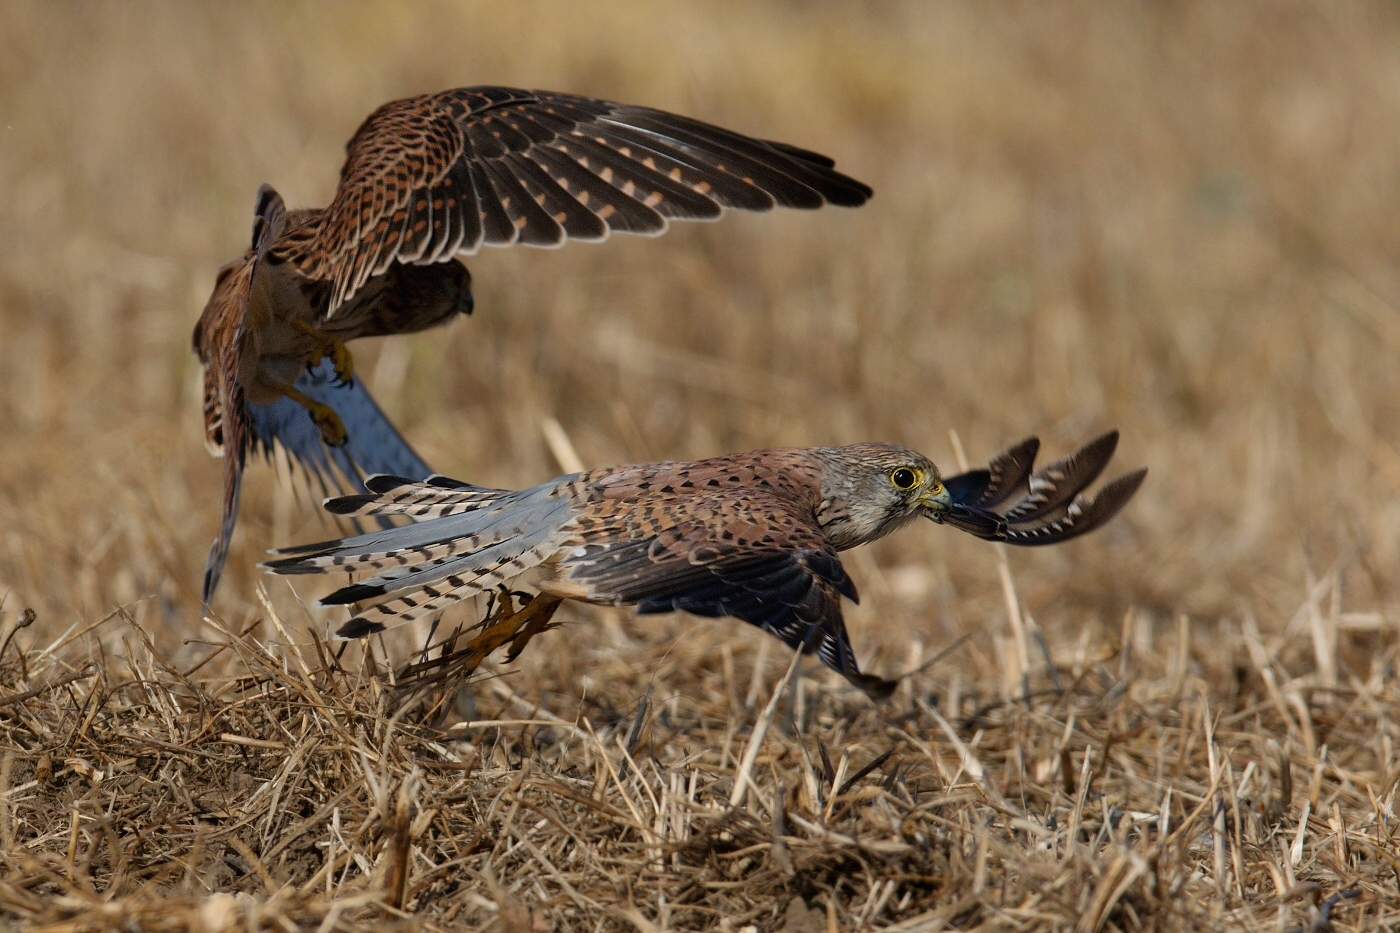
{"points": [[906, 478]]}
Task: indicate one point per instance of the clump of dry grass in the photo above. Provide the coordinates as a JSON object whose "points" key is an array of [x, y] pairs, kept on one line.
{"points": [[1218, 788]]}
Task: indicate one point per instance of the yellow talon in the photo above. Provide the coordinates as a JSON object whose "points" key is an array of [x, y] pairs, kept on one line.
{"points": [[343, 361], [332, 428], [508, 625], [331, 346]]}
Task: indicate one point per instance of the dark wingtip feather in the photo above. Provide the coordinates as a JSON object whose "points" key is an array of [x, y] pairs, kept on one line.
{"points": [[877, 688], [1097, 512], [1060, 482], [445, 482], [1023, 452], [806, 155], [1098, 451], [838, 189], [347, 505], [211, 580], [1008, 473], [313, 547], [358, 628], [1101, 448], [1116, 494], [290, 566], [848, 192], [354, 593], [385, 482]]}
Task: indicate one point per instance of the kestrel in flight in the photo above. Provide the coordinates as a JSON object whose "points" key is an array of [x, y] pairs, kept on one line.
{"points": [[753, 535], [427, 179]]}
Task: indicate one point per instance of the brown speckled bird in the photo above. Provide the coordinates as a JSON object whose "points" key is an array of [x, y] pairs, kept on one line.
{"points": [[427, 179], [754, 535]]}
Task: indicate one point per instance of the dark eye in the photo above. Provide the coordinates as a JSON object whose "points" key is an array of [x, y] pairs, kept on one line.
{"points": [[904, 478]]}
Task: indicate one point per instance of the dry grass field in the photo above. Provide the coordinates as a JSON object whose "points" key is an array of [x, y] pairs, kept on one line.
{"points": [[1181, 219]]}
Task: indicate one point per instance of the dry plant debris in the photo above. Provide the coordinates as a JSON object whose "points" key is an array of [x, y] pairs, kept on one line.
{"points": [[295, 790]]}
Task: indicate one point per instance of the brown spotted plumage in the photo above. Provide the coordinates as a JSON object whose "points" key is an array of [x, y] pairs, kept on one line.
{"points": [[752, 535], [427, 179]]}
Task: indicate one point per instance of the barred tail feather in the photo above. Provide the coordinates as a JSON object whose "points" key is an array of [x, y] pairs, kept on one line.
{"points": [[360, 561], [435, 497], [427, 566], [424, 600], [503, 554], [218, 551], [407, 543]]}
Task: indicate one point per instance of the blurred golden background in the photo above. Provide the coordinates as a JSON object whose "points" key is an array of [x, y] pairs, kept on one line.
{"points": [[1179, 219]]}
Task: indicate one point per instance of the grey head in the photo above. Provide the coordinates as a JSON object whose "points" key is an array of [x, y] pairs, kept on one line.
{"points": [[870, 490]]}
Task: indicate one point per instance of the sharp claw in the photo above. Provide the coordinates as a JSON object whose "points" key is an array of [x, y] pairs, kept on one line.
{"points": [[333, 431], [332, 347], [344, 372], [344, 363]]}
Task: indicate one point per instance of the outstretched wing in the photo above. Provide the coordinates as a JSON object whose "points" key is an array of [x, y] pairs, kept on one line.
{"points": [[373, 445], [1013, 502], [432, 176], [750, 555]]}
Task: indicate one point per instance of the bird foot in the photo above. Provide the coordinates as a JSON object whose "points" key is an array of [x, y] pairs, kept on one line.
{"points": [[329, 345], [541, 610], [508, 625], [332, 428], [333, 431]]}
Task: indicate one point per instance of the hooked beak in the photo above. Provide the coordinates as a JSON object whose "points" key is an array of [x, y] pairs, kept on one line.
{"points": [[980, 522], [941, 508], [937, 504]]}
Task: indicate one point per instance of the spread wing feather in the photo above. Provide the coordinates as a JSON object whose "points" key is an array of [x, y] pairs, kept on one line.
{"points": [[373, 444], [1013, 502], [703, 560], [432, 176]]}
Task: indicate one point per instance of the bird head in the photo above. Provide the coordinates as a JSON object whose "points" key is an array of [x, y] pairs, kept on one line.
{"points": [[869, 490]]}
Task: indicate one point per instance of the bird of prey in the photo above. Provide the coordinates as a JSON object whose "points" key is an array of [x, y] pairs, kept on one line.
{"points": [[427, 179], [753, 535]]}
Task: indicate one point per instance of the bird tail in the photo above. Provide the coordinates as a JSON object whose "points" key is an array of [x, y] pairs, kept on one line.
{"points": [[224, 425], [218, 551], [434, 497], [425, 567], [225, 408]]}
